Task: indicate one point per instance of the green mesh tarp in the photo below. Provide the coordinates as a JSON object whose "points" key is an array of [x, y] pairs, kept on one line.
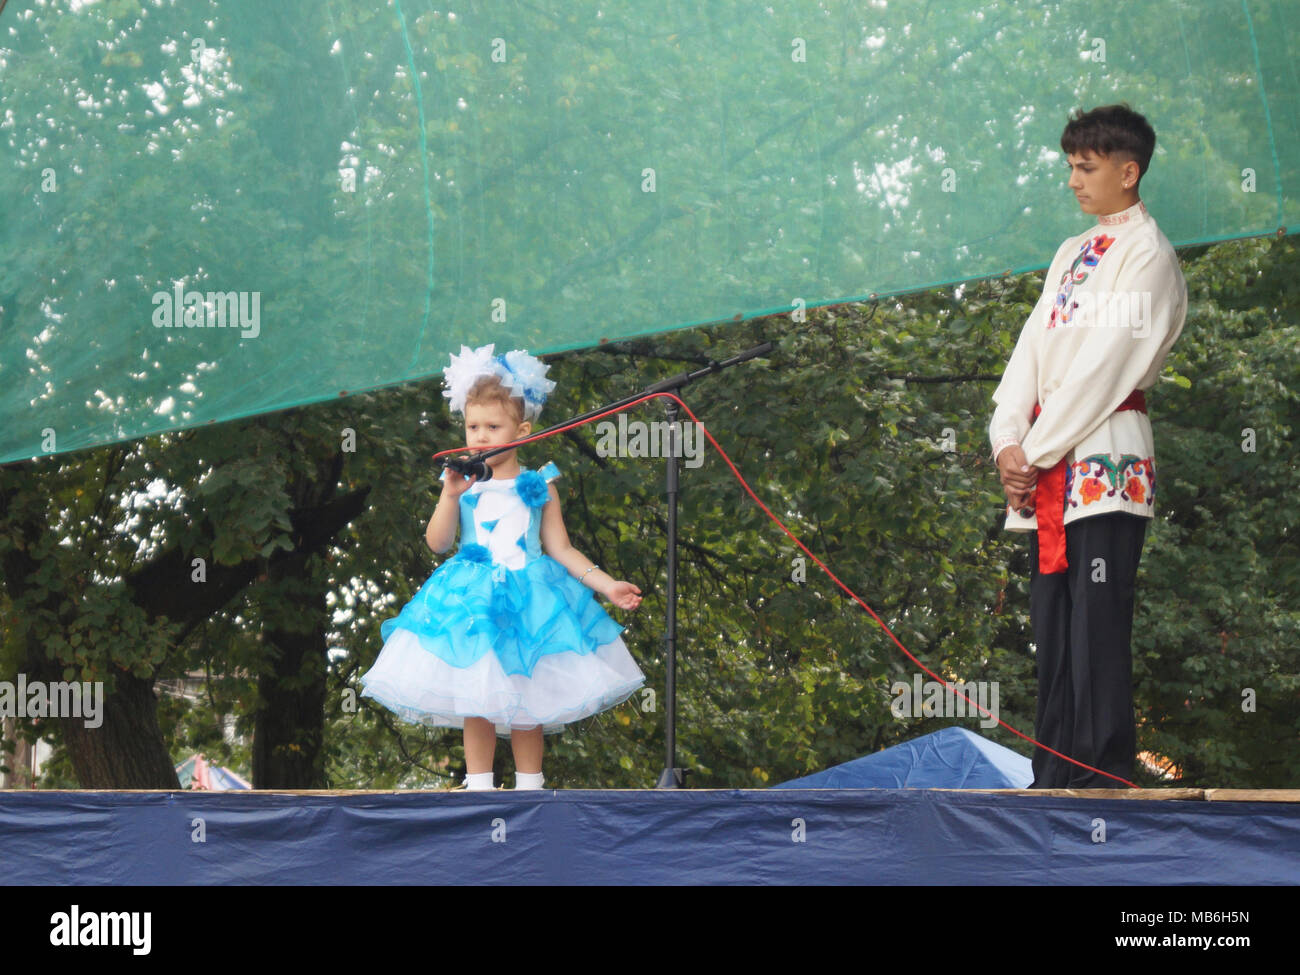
{"points": [[212, 208]]}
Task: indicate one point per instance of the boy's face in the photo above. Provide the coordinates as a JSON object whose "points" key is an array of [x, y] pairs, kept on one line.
{"points": [[1103, 184], [490, 424]]}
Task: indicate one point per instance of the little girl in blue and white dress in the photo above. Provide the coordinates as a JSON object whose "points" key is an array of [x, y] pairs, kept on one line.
{"points": [[506, 637]]}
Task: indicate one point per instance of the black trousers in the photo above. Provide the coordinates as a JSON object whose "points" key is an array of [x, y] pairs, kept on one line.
{"points": [[1082, 621]]}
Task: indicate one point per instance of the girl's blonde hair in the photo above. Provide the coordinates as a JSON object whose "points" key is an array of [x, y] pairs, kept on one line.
{"points": [[489, 389]]}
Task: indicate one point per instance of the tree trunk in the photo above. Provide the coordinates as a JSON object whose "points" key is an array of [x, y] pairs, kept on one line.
{"points": [[127, 750], [290, 723]]}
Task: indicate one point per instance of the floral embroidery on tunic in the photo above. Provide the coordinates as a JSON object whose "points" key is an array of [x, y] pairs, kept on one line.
{"points": [[1092, 478], [1090, 253]]}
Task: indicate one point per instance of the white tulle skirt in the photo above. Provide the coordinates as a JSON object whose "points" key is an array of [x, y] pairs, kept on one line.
{"points": [[424, 689]]}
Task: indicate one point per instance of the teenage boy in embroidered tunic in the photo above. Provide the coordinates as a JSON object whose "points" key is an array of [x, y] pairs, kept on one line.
{"points": [[1073, 445]]}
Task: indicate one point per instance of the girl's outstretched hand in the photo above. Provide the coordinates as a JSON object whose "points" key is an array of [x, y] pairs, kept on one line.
{"points": [[624, 595]]}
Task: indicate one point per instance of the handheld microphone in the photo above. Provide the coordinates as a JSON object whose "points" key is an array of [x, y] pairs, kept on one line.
{"points": [[469, 467]]}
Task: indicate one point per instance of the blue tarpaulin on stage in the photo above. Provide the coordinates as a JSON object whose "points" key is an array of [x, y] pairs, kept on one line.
{"points": [[952, 758], [788, 836]]}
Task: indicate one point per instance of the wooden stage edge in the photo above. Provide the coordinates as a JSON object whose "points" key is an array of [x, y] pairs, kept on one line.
{"points": [[1195, 795]]}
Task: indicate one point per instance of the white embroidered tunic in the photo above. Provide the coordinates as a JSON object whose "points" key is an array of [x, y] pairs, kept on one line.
{"points": [[1113, 304]]}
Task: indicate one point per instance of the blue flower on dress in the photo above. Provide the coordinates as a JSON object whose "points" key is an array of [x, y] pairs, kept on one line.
{"points": [[532, 488], [474, 553]]}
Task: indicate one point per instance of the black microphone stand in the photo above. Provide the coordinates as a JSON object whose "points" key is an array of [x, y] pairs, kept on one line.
{"points": [[671, 777]]}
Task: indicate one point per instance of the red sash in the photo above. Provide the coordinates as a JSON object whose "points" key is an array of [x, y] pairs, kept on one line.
{"points": [[1049, 500]]}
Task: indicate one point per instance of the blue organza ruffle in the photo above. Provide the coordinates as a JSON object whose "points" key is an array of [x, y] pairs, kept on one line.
{"points": [[468, 608]]}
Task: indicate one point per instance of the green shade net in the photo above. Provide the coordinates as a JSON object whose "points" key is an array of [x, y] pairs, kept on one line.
{"points": [[355, 188]]}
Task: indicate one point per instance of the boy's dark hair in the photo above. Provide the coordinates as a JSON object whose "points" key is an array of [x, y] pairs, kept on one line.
{"points": [[1111, 130]]}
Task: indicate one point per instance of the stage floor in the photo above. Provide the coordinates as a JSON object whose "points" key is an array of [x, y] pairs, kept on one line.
{"points": [[689, 836]]}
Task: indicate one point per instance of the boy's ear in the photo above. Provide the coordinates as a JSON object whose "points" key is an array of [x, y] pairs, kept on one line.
{"points": [[525, 429]]}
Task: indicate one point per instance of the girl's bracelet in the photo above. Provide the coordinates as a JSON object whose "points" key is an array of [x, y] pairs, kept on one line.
{"points": [[583, 577]]}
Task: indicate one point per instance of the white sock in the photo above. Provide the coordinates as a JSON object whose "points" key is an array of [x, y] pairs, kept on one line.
{"points": [[478, 781], [529, 780]]}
